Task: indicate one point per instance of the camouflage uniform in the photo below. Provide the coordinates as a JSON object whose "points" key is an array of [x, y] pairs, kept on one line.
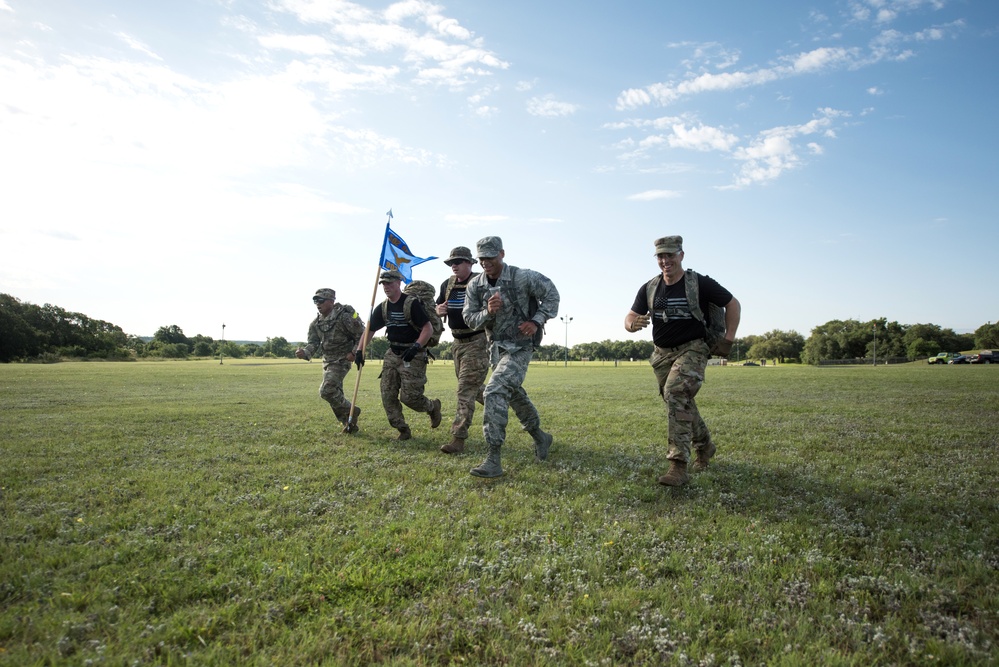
{"points": [[510, 351], [680, 372], [681, 355], [470, 350], [337, 335], [403, 383]]}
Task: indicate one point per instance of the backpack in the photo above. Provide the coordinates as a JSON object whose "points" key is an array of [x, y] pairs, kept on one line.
{"points": [[424, 292], [714, 322]]}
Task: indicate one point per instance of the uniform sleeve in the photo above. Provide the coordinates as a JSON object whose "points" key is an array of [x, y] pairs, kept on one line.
{"points": [[474, 312], [544, 290], [315, 340], [354, 323]]}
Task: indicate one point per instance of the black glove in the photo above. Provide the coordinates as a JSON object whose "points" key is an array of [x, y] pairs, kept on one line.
{"points": [[411, 352], [359, 358], [722, 348]]}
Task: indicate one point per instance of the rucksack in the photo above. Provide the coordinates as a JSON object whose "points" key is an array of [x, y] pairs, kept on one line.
{"points": [[714, 322], [424, 292]]}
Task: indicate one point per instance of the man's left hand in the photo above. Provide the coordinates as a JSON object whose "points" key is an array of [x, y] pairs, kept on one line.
{"points": [[411, 353], [722, 348], [528, 328]]}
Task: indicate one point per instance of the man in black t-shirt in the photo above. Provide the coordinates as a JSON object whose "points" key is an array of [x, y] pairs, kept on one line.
{"points": [[681, 352], [404, 370], [469, 350]]}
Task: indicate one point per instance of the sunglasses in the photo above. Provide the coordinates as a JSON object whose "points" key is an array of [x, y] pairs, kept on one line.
{"points": [[319, 301]]}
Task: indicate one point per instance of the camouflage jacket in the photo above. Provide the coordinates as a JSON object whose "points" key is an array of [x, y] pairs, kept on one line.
{"points": [[519, 287], [337, 334]]}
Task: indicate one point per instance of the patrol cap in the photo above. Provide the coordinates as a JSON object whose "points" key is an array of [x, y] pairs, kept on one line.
{"points": [[324, 293], [669, 244], [461, 253], [490, 246], [390, 277]]}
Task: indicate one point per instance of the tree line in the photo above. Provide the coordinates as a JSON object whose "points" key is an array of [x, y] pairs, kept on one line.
{"points": [[29, 332]]}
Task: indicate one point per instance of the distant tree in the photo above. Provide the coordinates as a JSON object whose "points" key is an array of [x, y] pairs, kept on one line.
{"points": [[919, 349], [18, 339], [987, 336], [203, 348], [377, 348], [279, 347], [172, 334], [782, 345], [173, 350]]}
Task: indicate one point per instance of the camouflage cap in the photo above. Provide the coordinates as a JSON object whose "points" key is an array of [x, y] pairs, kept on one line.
{"points": [[490, 246], [669, 244], [390, 277], [324, 293], [461, 253]]}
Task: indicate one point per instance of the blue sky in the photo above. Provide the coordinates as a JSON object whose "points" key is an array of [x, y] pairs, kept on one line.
{"points": [[202, 162]]}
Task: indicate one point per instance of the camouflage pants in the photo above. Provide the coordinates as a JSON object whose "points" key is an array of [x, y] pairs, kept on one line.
{"points": [[504, 391], [331, 390], [471, 365], [680, 372], [404, 386]]}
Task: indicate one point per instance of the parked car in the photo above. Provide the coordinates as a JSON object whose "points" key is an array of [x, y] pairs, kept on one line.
{"points": [[959, 359], [984, 357], [750, 363], [942, 358]]}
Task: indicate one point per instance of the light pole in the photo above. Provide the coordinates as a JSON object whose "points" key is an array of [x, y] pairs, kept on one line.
{"points": [[875, 364], [221, 344], [566, 319]]}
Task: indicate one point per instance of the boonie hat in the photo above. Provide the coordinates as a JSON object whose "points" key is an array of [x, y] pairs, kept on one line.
{"points": [[669, 244], [461, 253], [390, 277], [488, 247], [324, 293]]}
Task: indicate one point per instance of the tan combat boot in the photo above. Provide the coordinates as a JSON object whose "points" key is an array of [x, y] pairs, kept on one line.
{"points": [[676, 475], [435, 414], [456, 446], [704, 455]]}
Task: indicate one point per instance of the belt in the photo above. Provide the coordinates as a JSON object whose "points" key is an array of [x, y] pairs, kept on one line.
{"points": [[468, 336], [668, 350]]}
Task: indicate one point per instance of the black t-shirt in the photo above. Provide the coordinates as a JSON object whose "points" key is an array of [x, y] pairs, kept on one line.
{"points": [[455, 303], [400, 333], [672, 322]]}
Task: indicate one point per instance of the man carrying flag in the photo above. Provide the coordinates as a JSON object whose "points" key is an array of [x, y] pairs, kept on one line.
{"points": [[404, 370]]}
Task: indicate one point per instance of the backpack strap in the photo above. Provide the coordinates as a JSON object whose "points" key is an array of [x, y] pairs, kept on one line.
{"points": [[651, 288], [694, 295], [407, 311], [450, 286]]}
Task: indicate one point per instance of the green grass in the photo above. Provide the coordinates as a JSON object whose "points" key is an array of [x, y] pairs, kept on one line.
{"points": [[198, 513]]}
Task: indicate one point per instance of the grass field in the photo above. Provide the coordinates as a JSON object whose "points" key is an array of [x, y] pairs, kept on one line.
{"points": [[206, 513]]}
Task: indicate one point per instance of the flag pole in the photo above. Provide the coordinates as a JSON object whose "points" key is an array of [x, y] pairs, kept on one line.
{"points": [[352, 418]]}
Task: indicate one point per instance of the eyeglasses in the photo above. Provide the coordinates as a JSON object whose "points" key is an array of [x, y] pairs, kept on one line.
{"points": [[319, 301]]}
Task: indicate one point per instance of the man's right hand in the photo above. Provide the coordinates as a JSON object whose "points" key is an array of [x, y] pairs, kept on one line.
{"points": [[301, 353], [641, 321], [359, 358]]}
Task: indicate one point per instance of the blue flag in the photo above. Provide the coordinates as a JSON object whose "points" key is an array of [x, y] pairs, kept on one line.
{"points": [[396, 255]]}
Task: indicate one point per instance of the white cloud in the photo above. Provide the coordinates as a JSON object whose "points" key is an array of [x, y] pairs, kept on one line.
{"points": [[313, 45], [138, 46], [434, 47], [467, 220], [549, 107], [5, 7], [653, 195], [702, 138]]}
